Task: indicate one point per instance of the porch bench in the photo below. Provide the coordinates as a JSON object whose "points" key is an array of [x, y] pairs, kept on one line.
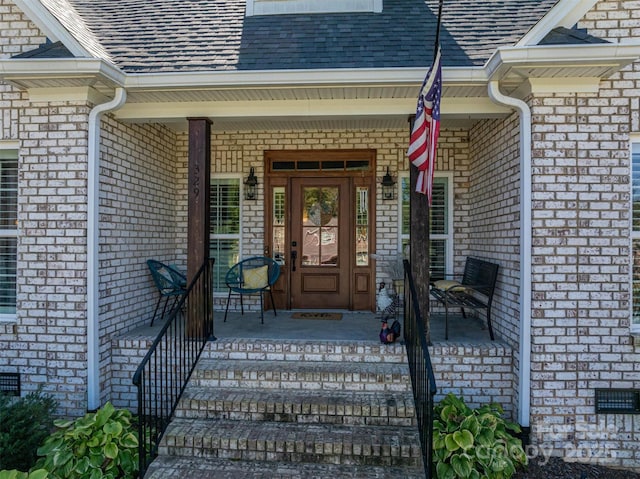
{"points": [[474, 291]]}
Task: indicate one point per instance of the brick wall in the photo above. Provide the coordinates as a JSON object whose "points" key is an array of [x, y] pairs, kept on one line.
{"points": [[480, 374], [234, 152], [140, 197], [493, 202], [47, 342], [581, 258], [19, 34]]}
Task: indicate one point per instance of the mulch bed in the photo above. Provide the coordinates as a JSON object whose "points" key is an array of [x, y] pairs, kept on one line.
{"points": [[556, 468]]}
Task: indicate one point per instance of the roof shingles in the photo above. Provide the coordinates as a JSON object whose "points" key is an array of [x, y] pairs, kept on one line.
{"points": [[201, 35]]}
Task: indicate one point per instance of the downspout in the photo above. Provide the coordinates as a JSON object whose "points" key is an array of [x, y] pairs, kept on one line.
{"points": [[524, 383], [93, 233]]}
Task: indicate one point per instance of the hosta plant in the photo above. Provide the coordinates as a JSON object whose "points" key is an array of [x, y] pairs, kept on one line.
{"points": [[103, 444], [474, 443], [15, 474]]}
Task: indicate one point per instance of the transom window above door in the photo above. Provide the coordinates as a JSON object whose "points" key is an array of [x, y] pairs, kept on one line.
{"points": [[334, 165]]}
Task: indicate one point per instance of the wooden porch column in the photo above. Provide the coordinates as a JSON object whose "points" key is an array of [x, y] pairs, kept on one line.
{"points": [[198, 208], [419, 236]]}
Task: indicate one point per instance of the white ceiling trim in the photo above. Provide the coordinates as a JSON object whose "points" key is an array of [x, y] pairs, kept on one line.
{"points": [[288, 78]]}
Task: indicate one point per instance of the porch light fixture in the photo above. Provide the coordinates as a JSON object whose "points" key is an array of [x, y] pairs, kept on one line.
{"points": [[388, 186], [251, 186]]}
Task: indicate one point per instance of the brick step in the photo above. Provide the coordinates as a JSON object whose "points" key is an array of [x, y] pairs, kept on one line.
{"points": [[302, 406], [293, 443], [210, 468], [300, 350], [304, 375]]}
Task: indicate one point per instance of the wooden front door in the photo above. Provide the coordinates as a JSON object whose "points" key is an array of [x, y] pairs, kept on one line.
{"points": [[320, 246], [319, 226]]}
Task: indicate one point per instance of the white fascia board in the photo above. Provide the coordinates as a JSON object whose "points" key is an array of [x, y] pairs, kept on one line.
{"points": [[565, 13], [52, 28], [85, 93], [615, 55], [299, 78], [27, 68], [563, 85]]}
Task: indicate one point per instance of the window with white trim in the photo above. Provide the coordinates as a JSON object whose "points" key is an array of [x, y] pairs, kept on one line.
{"points": [[8, 231], [441, 223], [635, 233], [224, 228]]}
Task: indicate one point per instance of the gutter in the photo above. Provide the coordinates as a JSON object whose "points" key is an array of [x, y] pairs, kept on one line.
{"points": [[524, 384], [93, 234]]}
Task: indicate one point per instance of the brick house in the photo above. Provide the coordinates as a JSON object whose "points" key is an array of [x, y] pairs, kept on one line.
{"points": [[539, 149]]}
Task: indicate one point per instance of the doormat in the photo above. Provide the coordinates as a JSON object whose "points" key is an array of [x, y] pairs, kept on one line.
{"points": [[311, 315]]}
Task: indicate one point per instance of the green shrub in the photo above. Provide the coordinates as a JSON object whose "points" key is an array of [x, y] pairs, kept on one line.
{"points": [[24, 424], [13, 474], [103, 444], [474, 444]]}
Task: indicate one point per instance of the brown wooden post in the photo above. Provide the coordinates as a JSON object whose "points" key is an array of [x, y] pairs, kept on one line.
{"points": [[419, 236], [198, 204]]}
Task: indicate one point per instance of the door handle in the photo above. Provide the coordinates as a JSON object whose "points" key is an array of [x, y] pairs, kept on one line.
{"points": [[294, 255]]}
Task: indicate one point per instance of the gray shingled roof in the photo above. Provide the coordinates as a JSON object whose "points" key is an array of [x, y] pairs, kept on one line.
{"points": [[198, 35]]}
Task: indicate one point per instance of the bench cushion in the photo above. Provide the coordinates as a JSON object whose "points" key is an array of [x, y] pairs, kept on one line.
{"points": [[449, 285]]}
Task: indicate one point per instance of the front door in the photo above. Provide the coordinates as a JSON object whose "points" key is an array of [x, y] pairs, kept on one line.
{"points": [[320, 247], [319, 212]]}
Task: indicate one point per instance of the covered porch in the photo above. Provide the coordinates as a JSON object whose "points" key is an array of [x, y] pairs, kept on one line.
{"points": [[469, 364]]}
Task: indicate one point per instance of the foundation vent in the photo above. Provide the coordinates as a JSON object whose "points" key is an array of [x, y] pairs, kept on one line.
{"points": [[10, 384], [625, 401]]}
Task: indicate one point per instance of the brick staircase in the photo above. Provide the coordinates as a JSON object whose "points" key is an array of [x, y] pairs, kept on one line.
{"points": [[297, 409]]}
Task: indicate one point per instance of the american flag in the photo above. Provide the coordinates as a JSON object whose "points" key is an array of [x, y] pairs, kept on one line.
{"points": [[426, 127]]}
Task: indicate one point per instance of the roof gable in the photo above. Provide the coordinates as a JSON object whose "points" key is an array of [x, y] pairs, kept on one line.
{"points": [[215, 35]]}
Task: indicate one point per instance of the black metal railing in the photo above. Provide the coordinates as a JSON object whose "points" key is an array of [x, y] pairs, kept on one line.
{"points": [[167, 366], [422, 378]]}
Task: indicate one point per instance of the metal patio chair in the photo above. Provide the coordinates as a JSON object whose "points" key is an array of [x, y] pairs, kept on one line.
{"points": [[255, 275], [171, 283]]}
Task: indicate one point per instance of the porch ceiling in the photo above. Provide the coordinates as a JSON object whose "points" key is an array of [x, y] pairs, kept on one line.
{"points": [[312, 107]]}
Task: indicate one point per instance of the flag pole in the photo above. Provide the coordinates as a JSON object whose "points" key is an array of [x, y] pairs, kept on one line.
{"points": [[436, 47], [437, 42]]}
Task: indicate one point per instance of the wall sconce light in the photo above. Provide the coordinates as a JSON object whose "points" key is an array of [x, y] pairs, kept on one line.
{"points": [[388, 186], [251, 186]]}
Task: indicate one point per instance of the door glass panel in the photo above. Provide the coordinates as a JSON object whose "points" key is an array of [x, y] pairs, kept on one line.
{"points": [[279, 223], [362, 226], [320, 226]]}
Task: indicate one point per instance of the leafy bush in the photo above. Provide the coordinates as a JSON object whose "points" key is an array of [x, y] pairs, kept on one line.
{"points": [[103, 444], [474, 444], [24, 424], [13, 474]]}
